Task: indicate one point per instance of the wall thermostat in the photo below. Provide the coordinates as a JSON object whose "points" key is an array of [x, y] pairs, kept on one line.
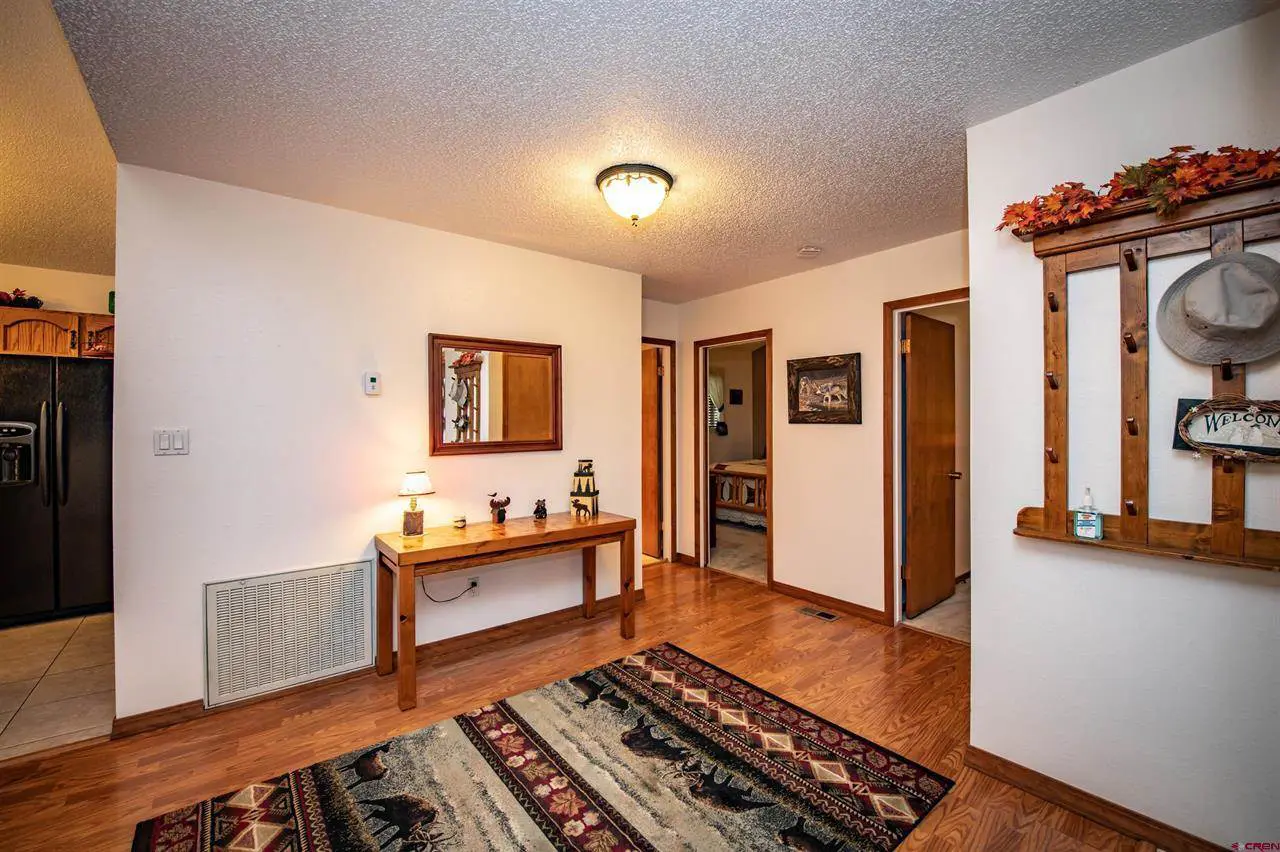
{"points": [[372, 384]]}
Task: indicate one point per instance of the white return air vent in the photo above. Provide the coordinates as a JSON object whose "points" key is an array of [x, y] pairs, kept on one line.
{"points": [[268, 633]]}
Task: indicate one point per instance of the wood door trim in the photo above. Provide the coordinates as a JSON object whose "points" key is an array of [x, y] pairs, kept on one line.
{"points": [[1100, 810], [890, 613], [674, 430], [699, 436]]}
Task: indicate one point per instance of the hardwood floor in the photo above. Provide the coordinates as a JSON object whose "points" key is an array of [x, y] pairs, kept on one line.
{"points": [[904, 689]]}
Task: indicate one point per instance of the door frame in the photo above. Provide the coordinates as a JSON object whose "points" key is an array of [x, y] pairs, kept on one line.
{"points": [[701, 505], [892, 603], [669, 373]]}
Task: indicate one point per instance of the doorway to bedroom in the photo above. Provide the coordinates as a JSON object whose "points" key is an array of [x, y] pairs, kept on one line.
{"points": [[734, 437]]}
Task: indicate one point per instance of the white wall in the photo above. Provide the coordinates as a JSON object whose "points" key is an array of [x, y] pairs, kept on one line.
{"points": [[81, 292], [1150, 682], [957, 314], [250, 320], [660, 319], [825, 476]]}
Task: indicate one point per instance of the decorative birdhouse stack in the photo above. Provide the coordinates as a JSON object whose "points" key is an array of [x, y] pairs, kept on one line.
{"points": [[585, 497]]}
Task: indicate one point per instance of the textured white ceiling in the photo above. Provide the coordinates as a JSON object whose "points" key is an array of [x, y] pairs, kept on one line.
{"points": [[835, 122], [57, 172]]}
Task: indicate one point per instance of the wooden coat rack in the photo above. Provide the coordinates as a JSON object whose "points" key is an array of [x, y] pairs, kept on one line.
{"points": [[1129, 237]]}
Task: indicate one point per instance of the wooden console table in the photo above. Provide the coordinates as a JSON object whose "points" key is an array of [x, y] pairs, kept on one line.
{"points": [[443, 549]]}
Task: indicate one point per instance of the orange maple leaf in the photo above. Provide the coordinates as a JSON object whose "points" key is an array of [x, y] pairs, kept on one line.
{"points": [[1247, 161]]}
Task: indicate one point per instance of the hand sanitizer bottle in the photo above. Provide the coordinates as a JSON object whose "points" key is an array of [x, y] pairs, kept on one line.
{"points": [[1088, 520]]}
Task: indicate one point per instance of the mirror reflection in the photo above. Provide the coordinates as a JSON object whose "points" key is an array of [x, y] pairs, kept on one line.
{"points": [[491, 395]]}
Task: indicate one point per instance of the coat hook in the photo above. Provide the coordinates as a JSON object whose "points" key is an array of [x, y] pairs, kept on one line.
{"points": [[1132, 424], [1130, 260], [1130, 507], [1052, 454], [1130, 342], [1052, 380], [1227, 373], [1053, 302]]}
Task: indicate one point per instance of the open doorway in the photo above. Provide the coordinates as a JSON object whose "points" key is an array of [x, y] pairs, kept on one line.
{"points": [[657, 455], [57, 342], [930, 430], [733, 457]]}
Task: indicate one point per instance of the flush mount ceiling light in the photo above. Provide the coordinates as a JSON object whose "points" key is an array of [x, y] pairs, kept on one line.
{"points": [[634, 190]]}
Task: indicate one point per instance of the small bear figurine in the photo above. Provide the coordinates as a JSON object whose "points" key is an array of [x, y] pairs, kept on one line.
{"points": [[540, 510]]}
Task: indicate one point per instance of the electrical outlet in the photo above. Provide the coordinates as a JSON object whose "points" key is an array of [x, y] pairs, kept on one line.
{"points": [[473, 584]]}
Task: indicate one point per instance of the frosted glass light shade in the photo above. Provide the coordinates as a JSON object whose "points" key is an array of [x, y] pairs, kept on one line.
{"points": [[634, 190], [416, 483]]}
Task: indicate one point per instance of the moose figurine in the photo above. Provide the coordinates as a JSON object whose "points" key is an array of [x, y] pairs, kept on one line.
{"points": [[580, 509]]}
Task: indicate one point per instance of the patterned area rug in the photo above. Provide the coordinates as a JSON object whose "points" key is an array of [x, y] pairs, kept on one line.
{"points": [[658, 750]]}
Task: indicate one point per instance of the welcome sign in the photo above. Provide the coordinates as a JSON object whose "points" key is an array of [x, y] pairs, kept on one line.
{"points": [[1246, 427]]}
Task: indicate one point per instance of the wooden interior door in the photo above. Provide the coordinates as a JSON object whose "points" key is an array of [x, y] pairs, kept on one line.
{"points": [[651, 453], [929, 457], [526, 397]]}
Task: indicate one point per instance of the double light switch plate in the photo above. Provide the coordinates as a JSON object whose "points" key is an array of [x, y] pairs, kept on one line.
{"points": [[171, 442]]}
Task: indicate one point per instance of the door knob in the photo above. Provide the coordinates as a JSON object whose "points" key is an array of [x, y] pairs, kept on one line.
{"points": [[955, 474]]}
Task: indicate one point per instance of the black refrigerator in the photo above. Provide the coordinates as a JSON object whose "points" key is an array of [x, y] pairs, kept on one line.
{"points": [[55, 487]]}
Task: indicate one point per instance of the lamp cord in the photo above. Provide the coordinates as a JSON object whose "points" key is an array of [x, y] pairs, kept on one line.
{"points": [[422, 581]]}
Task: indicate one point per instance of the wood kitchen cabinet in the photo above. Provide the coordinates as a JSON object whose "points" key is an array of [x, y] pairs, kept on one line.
{"points": [[26, 331], [97, 336]]}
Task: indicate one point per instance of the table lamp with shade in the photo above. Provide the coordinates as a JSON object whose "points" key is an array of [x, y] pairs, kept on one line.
{"points": [[416, 484]]}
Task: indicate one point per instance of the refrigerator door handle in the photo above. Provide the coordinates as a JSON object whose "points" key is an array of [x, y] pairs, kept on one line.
{"points": [[59, 462], [42, 453]]}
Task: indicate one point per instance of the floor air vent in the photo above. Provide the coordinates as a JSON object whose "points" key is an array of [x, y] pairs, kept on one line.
{"points": [[268, 633], [818, 613]]}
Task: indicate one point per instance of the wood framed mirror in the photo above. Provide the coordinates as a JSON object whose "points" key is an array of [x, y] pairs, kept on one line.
{"points": [[493, 396]]}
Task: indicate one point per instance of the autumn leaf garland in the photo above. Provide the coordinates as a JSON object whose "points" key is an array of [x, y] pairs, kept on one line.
{"points": [[1166, 182]]}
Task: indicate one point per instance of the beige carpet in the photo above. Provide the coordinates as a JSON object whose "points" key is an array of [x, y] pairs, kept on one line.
{"points": [[741, 552], [949, 618]]}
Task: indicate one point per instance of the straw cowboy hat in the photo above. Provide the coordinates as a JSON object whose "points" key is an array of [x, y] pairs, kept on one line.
{"points": [[1226, 307]]}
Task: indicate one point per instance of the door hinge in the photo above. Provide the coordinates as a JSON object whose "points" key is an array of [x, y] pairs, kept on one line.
{"points": [[905, 347], [662, 371]]}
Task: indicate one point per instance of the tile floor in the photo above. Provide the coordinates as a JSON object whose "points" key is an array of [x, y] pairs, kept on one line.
{"points": [[57, 683], [949, 618], [740, 551]]}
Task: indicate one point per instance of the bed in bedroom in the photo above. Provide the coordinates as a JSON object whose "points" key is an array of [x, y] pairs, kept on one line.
{"points": [[739, 491]]}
